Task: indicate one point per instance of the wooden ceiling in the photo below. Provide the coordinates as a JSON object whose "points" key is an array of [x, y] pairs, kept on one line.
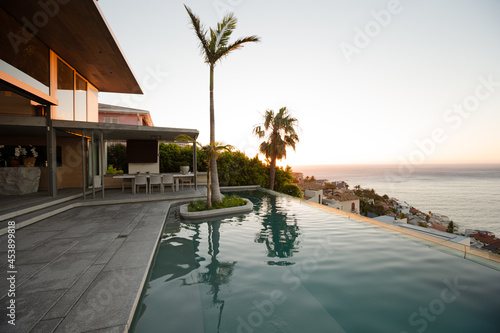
{"points": [[79, 33]]}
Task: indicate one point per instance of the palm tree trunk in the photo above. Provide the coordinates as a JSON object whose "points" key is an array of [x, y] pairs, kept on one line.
{"points": [[216, 195], [272, 172], [209, 196]]}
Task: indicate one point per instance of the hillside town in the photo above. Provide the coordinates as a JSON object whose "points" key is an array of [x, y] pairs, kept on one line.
{"points": [[366, 202]]}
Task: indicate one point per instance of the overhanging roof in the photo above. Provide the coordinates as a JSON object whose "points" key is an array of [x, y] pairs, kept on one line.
{"points": [[125, 132], [79, 34], [36, 126]]}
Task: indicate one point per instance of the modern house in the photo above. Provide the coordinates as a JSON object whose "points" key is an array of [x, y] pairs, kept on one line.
{"points": [[55, 57], [113, 114]]}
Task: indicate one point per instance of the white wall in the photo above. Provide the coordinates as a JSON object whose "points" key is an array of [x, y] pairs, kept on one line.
{"points": [[315, 196], [144, 167], [343, 205]]}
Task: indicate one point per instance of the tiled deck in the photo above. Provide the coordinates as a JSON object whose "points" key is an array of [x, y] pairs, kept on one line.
{"points": [[83, 270]]}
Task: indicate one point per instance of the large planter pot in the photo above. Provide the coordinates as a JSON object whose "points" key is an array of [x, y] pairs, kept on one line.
{"points": [[184, 169], [29, 161], [14, 163]]}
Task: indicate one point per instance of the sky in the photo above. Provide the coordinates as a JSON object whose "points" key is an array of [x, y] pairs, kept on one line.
{"points": [[370, 82]]}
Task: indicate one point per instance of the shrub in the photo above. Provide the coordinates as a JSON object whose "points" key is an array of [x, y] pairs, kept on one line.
{"points": [[117, 156], [227, 202], [293, 190]]}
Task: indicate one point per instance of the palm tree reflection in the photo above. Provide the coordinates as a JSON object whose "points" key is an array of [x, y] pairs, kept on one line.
{"points": [[277, 234], [218, 272]]}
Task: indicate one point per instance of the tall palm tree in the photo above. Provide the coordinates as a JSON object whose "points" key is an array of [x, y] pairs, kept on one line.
{"points": [[280, 131], [213, 50]]}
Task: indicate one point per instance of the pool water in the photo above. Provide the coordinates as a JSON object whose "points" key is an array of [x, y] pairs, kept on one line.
{"points": [[291, 267]]}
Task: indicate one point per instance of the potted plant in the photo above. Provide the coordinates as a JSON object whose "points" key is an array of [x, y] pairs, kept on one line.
{"points": [[30, 161], [184, 169]]}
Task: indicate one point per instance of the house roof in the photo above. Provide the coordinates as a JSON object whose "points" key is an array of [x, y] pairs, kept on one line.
{"points": [[119, 109], [483, 237], [343, 196], [36, 126], [80, 35], [309, 186], [115, 109]]}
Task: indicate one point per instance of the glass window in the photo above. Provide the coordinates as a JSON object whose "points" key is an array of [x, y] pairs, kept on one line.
{"points": [[111, 120], [26, 59], [92, 107], [65, 91], [80, 99]]}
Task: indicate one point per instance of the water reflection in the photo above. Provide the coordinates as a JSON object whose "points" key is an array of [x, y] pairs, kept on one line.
{"points": [[279, 232], [217, 272]]}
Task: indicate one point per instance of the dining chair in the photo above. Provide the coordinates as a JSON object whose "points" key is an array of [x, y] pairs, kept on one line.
{"points": [[167, 180], [140, 180], [155, 180], [128, 181], [185, 180]]}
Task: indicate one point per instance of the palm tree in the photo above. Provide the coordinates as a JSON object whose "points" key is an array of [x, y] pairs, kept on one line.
{"points": [[213, 150], [213, 50], [280, 129]]}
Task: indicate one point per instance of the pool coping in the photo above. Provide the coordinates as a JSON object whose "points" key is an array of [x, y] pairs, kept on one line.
{"points": [[193, 216]]}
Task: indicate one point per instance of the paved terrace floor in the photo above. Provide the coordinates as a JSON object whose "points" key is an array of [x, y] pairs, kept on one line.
{"points": [[83, 270]]}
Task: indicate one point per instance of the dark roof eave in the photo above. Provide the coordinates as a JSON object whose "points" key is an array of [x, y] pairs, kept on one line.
{"points": [[125, 132], [80, 35]]}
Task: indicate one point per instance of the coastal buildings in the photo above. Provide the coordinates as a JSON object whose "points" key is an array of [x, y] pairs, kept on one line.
{"points": [[346, 202], [54, 60]]}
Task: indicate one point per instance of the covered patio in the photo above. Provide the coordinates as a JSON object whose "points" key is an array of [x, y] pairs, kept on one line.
{"points": [[75, 151]]}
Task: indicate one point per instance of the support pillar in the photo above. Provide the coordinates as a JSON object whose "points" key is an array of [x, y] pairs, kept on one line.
{"points": [[195, 165], [51, 155], [103, 165]]}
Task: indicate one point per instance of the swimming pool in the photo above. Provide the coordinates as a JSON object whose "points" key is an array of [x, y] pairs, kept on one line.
{"points": [[290, 267]]}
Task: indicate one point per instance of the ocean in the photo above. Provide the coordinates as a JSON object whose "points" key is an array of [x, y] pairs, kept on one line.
{"points": [[468, 194]]}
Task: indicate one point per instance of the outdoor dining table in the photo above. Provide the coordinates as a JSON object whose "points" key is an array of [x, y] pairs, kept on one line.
{"points": [[176, 176]]}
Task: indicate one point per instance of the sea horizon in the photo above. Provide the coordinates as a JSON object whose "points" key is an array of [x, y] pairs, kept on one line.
{"points": [[464, 192]]}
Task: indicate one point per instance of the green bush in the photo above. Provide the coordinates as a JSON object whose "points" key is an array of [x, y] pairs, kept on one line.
{"points": [[293, 190], [227, 202], [234, 167], [172, 157], [117, 156]]}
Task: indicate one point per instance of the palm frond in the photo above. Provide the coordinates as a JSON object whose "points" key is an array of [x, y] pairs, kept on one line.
{"points": [[201, 33], [220, 37], [239, 43], [281, 133]]}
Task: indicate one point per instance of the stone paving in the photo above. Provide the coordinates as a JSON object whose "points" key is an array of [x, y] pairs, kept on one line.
{"points": [[82, 270]]}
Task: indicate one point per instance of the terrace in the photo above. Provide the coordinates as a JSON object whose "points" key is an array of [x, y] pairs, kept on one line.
{"points": [[84, 268]]}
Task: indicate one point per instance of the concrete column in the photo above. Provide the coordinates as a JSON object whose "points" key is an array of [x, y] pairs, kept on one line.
{"points": [[51, 155], [103, 165], [195, 165], [93, 154], [83, 164]]}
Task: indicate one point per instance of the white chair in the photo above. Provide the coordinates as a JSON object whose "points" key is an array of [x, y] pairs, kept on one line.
{"points": [[155, 180], [140, 180], [167, 180], [126, 180], [187, 181]]}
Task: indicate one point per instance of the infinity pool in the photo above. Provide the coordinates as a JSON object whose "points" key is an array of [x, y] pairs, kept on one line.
{"points": [[291, 267]]}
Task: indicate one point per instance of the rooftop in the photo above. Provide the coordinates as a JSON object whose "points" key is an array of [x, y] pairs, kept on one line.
{"points": [[80, 35]]}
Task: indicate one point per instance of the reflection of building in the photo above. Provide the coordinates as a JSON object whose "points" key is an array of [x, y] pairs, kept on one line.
{"points": [[51, 70]]}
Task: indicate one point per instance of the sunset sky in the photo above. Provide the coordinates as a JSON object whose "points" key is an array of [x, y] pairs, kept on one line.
{"points": [[370, 81]]}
